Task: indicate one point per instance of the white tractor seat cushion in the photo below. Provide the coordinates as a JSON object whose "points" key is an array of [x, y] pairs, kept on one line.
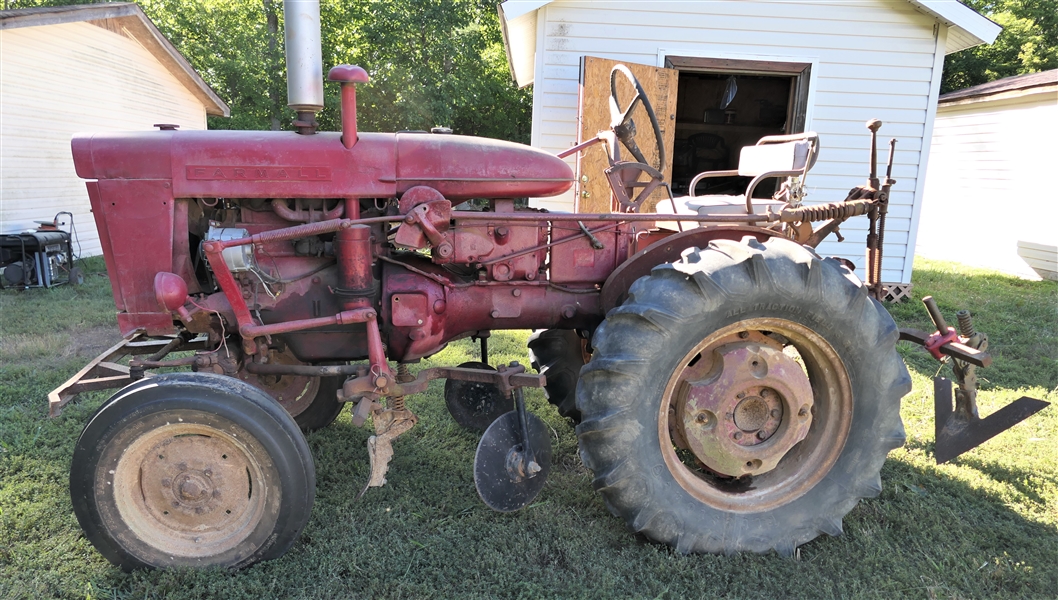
{"points": [[709, 205]]}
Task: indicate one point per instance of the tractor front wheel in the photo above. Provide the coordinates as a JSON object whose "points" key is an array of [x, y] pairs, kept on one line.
{"points": [[741, 399], [191, 469]]}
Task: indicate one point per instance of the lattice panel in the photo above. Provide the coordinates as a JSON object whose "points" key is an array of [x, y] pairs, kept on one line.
{"points": [[896, 292]]}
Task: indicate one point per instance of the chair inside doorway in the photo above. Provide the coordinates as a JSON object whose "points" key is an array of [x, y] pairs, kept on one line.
{"points": [[724, 105]]}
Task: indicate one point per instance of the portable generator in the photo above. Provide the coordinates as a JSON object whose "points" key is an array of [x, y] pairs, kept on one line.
{"points": [[39, 259]]}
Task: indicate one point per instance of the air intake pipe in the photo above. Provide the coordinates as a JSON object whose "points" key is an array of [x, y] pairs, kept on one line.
{"points": [[304, 61]]}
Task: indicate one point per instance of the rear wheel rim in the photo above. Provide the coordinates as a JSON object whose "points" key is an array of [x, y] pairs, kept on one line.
{"points": [[800, 468]]}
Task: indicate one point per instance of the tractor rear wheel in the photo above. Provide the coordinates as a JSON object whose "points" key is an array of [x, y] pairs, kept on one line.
{"points": [[558, 354], [741, 399], [191, 469]]}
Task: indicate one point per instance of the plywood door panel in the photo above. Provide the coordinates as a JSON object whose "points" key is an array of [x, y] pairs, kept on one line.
{"points": [[593, 193]]}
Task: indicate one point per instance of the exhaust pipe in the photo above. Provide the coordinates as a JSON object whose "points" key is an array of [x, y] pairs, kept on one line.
{"points": [[304, 62]]}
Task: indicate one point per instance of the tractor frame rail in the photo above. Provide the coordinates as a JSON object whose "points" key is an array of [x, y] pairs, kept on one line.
{"points": [[103, 372]]}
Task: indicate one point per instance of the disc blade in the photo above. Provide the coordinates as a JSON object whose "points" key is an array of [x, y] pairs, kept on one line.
{"points": [[473, 404], [494, 483]]}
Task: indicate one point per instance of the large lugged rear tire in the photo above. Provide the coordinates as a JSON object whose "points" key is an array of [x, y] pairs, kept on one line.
{"points": [[741, 399], [191, 469], [558, 355]]}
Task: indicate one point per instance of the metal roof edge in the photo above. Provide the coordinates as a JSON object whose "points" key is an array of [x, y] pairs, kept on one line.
{"points": [[955, 13], [1026, 84], [506, 40], [513, 9], [998, 97]]}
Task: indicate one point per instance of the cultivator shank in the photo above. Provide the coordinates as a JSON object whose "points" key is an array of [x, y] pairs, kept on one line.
{"points": [[962, 429]]}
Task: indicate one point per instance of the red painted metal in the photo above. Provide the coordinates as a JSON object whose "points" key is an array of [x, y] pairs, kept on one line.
{"points": [[938, 339], [171, 292], [352, 247], [349, 76], [665, 250], [327, 271], [359, 315], [279, 205], [251, 164]]}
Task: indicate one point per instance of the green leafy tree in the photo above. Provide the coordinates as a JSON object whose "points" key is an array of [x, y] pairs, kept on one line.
{"points": [[432, 62], [237, 47], [1028, 44]]}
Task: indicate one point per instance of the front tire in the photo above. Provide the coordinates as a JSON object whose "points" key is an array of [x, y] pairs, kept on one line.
{"points": [[704, 430], [191, 469]]}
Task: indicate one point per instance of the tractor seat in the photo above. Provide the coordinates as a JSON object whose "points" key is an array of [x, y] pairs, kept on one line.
{"points": [[773, 156]]}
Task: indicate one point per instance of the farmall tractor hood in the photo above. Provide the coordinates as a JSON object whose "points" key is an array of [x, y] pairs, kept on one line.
{"points": [[253, 164]]}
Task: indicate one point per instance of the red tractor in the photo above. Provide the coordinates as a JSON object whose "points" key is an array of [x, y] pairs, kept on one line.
{"points": [[734, 391]]}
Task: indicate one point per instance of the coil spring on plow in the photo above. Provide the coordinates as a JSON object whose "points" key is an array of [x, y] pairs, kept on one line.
{"points": [[823, 212]]}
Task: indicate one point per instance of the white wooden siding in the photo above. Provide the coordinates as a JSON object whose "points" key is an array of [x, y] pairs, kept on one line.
{"points": [[872, 59], [62, 79], [991, 182]]}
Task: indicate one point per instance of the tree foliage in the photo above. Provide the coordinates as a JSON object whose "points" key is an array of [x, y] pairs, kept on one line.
{"points": [[1028, 44], [431, 62]]}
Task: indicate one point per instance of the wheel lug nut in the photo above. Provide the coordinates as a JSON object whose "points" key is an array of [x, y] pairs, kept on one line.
{"points": [[738, 435], [775, 413], [741, 395], [208, 472], [167, 482], [761, 435]]}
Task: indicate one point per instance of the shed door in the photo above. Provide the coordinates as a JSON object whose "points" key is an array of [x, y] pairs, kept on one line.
{"points": [[593, 193]]}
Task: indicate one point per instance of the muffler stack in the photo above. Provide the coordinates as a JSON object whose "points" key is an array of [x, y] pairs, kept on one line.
{"points": [[304, 61]]}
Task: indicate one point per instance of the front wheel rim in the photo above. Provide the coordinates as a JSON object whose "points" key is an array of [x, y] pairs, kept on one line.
{"points": [[190, 489], [804, 465]]}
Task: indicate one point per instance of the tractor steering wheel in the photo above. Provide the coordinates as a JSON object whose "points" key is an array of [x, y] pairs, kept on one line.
{"points": [[621, 123]]}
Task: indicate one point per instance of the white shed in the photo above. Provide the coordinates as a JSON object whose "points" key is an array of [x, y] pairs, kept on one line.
{"points": [[989, 192], [798, 66], [98, 67]]}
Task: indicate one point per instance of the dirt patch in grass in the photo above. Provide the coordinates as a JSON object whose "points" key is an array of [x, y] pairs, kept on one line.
{"points": [[89, 343], [82, 343]]}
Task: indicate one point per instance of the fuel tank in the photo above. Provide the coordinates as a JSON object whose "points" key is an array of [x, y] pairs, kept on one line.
{"points": [[256, 164]]}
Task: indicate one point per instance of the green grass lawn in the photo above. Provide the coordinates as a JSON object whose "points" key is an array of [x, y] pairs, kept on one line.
{"points": [[983, 526]]}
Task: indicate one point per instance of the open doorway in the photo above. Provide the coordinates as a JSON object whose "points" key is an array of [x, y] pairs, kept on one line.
{"points": [[723, 105]]}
